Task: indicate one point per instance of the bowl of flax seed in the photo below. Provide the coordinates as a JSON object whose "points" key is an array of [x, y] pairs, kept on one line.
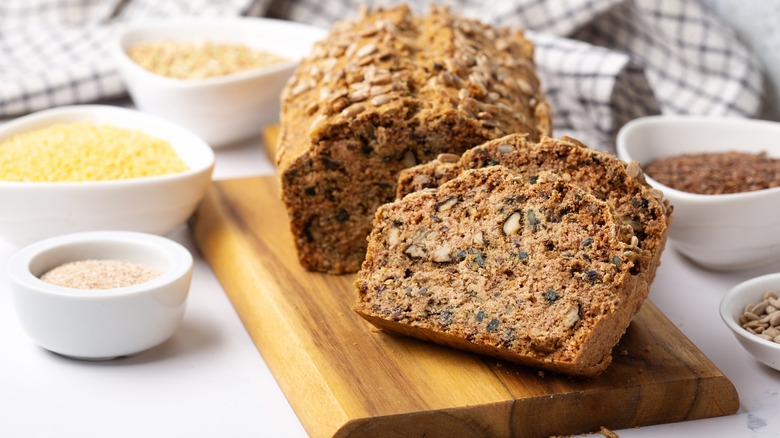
{"points": [[219, 77], [100, 295], [722, 178]]}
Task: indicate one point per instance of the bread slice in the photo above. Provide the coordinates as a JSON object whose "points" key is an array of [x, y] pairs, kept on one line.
{"points": [[384, 92], [604, 175], [540, 274]]}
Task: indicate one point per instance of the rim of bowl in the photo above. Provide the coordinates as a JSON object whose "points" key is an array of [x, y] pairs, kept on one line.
{"points": [[19, 264], [118, 47], [727, 306], [81, 113], [660, 120]]}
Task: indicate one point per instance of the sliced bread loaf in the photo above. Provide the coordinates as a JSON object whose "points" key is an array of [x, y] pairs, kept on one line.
{"points": [[386, 91], [540, 274]]}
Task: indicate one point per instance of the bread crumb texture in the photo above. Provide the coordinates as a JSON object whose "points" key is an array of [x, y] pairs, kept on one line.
{"points": [[85, 151], [542, 274], [385, 92]]}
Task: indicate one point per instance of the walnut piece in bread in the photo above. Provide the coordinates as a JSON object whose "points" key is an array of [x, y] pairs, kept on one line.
{"points": [[385, 92], [539, 274]]}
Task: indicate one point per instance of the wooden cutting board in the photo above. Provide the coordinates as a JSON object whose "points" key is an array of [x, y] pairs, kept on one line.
{"points": [[343, 377]]}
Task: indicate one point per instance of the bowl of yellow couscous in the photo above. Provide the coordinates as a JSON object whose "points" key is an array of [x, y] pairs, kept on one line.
{"points": [[220, 77], [95, 167]]}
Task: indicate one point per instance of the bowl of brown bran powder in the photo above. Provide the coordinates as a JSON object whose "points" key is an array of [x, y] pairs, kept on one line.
{"points": [[100, 295]]}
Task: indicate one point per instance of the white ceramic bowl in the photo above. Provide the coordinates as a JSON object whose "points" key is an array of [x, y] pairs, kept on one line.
{"points": [[720, 232], [31, 211], [226, 109], [732, 306], [105, 323]]}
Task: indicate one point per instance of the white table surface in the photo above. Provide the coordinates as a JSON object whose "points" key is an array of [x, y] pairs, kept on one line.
{"points": [[209, 380]]}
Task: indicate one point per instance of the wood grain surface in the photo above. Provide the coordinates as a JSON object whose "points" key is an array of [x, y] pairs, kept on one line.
{"points": [[343, 377], [270, 137]]}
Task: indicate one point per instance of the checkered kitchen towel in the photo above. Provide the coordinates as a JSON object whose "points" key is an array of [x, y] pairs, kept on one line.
{"points": [[601, 62]]}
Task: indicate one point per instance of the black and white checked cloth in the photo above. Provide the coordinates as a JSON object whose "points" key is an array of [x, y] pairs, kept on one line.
{"points": [[601, 62]]}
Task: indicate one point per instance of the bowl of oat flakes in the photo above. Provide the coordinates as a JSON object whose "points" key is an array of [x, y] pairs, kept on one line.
{"points": [[219, 77], [100, 295], [722, 178], [751, 310]]}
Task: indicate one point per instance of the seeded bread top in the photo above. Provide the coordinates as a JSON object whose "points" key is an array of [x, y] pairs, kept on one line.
{"points": [[385, 92], [430, 65]]}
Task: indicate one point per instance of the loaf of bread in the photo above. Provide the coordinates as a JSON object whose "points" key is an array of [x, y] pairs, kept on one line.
{"points": [[602, 174], [539, 274], [385, 92]]}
